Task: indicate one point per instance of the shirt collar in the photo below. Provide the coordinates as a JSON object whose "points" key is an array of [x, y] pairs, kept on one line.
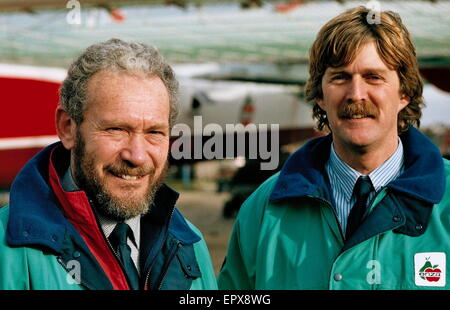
{"points": [[107, 224], [68, 183], [379, 177], [389, 170]]}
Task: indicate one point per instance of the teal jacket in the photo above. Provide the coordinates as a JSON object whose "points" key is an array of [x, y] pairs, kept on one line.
{"points": [[51, 239], [287, 236]]}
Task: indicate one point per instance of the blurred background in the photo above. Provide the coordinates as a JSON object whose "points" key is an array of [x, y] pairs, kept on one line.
{"points": [[238, 62]]}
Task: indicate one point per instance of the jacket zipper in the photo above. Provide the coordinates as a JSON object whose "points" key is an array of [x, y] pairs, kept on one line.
{"points": [[147, 283], [168, 263], [112, 249], [61, 262], [110, 246]]}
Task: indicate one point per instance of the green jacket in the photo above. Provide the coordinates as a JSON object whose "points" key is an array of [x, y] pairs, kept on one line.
{"points": [[25, 268], [287, 235], [50, 239]]}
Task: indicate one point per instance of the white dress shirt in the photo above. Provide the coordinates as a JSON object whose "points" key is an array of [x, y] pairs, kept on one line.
{"points": [[343, 179]]}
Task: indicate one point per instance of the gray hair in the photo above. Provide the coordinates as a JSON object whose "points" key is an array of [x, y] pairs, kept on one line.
{"points": [[117, 56]]}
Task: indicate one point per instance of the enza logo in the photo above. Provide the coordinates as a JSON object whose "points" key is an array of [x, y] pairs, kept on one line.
{"points": [[430, 269], [429, 272]]}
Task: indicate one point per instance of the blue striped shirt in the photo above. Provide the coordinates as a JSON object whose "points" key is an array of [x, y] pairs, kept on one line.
{"points": [[343, 178]]}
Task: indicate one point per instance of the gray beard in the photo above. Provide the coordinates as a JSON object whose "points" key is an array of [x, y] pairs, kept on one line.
{"points": [[103, 201]]}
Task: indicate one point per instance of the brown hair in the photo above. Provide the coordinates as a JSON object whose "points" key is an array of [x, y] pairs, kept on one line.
{"points": [[339, 40]]}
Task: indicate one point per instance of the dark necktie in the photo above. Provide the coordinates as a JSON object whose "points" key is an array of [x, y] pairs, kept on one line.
{"points": [[118, 239], [362, 189]]}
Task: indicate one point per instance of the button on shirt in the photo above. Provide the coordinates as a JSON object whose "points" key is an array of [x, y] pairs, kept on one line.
{"points": [[108, 224], [343, 179]]}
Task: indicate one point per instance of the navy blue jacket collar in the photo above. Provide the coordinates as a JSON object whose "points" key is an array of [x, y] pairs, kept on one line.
{"points": [[304, 174], [34, 215], [423, 177], [36, 219]]}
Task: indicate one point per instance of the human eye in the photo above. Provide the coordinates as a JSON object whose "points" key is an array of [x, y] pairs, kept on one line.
{"points": [[339, 77], [156, 132], [114, 130], [374, 78]]}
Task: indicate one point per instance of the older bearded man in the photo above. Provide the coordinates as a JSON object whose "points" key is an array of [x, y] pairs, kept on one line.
{"points": [[93, 206]]}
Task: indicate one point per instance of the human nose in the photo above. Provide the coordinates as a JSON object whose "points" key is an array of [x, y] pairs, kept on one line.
{"points": [[357, 91], [136, 151]]}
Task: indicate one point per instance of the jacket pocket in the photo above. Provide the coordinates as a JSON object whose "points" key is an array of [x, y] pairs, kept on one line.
{"points": [[182, 270], [188, 262]]}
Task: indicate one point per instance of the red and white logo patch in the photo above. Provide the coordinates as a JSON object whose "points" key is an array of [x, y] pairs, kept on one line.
{"points": [[430, 269]]}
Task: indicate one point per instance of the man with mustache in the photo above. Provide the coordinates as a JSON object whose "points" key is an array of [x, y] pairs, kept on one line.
{"points": [[91, 211], [367, 206]]}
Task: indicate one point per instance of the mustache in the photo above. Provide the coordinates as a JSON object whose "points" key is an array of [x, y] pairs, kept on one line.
{"points": [[351, 108], [123, 169]]}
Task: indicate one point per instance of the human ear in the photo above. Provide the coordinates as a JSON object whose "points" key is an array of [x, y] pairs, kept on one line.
{"points": [[320, 103], [65, 127], [404, 101]]}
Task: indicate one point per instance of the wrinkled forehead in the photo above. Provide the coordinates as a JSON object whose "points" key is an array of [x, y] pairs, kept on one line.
{"points": [[106, 82], [126, 94]]}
